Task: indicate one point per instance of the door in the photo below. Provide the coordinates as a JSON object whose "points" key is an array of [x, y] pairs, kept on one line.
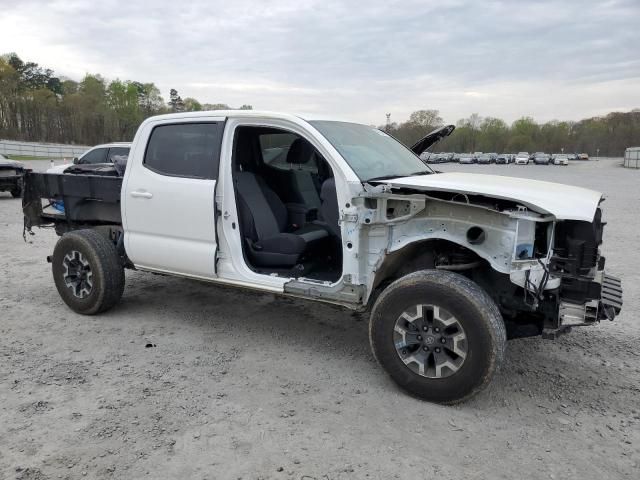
{"points": [[168, 200]]}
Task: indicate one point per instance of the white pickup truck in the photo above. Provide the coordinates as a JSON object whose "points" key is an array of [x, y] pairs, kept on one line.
{"points": [[449, 265]]}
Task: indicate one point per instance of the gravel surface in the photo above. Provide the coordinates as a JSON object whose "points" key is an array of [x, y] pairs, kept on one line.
{"points": [[188, 380]]}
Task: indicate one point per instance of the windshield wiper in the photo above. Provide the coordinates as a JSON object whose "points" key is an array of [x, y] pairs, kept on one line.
{"points": [[383, 177], [414, 174], [421, 172]]}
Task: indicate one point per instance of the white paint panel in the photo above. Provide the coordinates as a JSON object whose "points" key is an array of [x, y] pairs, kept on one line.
{"points": [[565, 202]]}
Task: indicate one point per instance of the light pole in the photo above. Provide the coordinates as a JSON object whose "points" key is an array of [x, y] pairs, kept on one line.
{"points": [[388, 122], [597, 154], [562, 150]]}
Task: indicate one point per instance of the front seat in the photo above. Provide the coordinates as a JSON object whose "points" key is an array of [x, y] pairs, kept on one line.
{"points": [[302, 186], [268, 235]]}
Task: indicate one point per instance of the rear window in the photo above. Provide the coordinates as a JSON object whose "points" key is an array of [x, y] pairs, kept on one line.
{"points": [[185, 150], [99, 155], [117, 152]]}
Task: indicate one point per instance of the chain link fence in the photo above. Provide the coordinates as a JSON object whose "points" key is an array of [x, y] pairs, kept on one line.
{"points": [[45, 150]]}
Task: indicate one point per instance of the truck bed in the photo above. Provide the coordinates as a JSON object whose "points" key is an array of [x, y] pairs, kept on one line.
{"points": [[87, 199]]}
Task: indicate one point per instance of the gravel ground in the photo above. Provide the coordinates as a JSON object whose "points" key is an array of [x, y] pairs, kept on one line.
{"points": [[188, 380]]}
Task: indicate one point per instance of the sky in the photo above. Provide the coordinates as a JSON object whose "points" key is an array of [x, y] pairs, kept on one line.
{"points": [[357, 59]]}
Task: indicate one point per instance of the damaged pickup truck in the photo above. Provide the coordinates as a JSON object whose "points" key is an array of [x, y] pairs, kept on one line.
{"points": [[449, 265]]}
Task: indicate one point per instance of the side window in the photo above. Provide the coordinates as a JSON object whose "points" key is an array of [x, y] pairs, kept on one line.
{"points": [[116, 152], [185, 150], [99, 155], [275, 149]]}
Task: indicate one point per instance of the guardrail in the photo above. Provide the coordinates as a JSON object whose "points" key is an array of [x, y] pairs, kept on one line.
{"points": [[53, 150]]}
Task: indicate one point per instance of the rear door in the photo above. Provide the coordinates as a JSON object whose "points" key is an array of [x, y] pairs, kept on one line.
{"points": [[168, 198]]}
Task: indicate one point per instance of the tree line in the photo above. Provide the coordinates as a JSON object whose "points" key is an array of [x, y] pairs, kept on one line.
{"points": [[37, 105], [605, 136]]}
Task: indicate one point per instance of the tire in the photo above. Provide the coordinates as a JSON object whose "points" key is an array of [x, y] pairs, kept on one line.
{"points": [[466, 363], [16, 192], [87, 271]]}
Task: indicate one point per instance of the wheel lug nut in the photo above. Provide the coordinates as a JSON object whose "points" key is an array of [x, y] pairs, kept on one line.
{"points": [[425, 328], [437, 350], [443, 340], [404, 352], [425, 348], [419, 337], [437, 329]]}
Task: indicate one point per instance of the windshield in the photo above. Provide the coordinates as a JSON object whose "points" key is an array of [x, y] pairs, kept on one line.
{"points": [[371, 153]]}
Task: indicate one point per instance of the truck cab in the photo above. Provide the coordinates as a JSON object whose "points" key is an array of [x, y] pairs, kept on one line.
{"points": [[446, 264]]}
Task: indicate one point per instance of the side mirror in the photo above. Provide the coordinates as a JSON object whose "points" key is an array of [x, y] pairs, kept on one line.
{"points": [[75, 160]]}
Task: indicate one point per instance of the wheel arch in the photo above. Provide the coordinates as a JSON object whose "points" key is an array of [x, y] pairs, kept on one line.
{"points": [[415, 256]]}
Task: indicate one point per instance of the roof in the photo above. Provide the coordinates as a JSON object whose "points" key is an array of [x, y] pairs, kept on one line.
{"points": [[251, 114], [112, 144]]}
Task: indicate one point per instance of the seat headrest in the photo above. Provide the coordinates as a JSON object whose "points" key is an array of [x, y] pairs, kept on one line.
{"points": [[300, 152]]}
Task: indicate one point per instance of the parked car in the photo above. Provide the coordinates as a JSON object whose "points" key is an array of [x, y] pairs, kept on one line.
{"points": [[541, 159], [467, 158], [583, 156], [493, 156], [522, 158], [11, 173], [561, 159], [442, 157], [572, 156], [448, 264], [436, 158], [503, 159], [96, 155], [424, 156], [485, 159], [456, 157]]}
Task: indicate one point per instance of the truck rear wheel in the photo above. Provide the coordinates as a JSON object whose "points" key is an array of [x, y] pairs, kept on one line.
{"points": [[87, 271], [17, 192], [438, 335]]}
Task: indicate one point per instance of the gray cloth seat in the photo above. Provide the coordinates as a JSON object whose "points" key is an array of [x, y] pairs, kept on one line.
{"points": [[302, 188], [270, 239]]}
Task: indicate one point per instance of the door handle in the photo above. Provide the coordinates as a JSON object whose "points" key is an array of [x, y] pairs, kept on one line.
{"points": [[141, 194]]}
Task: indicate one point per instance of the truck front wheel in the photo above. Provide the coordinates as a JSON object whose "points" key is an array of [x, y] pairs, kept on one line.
{"points": [[87, 271], [438, 335]]}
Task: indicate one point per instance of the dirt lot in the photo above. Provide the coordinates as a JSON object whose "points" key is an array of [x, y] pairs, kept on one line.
{"points": [[244, 385]]}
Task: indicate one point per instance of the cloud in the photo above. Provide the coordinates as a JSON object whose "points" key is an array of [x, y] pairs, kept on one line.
{"points": [[359, 59]]}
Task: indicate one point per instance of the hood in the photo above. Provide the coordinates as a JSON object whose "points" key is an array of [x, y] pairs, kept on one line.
{"points": [[432, 138], [11, 163], [562, 201]]}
